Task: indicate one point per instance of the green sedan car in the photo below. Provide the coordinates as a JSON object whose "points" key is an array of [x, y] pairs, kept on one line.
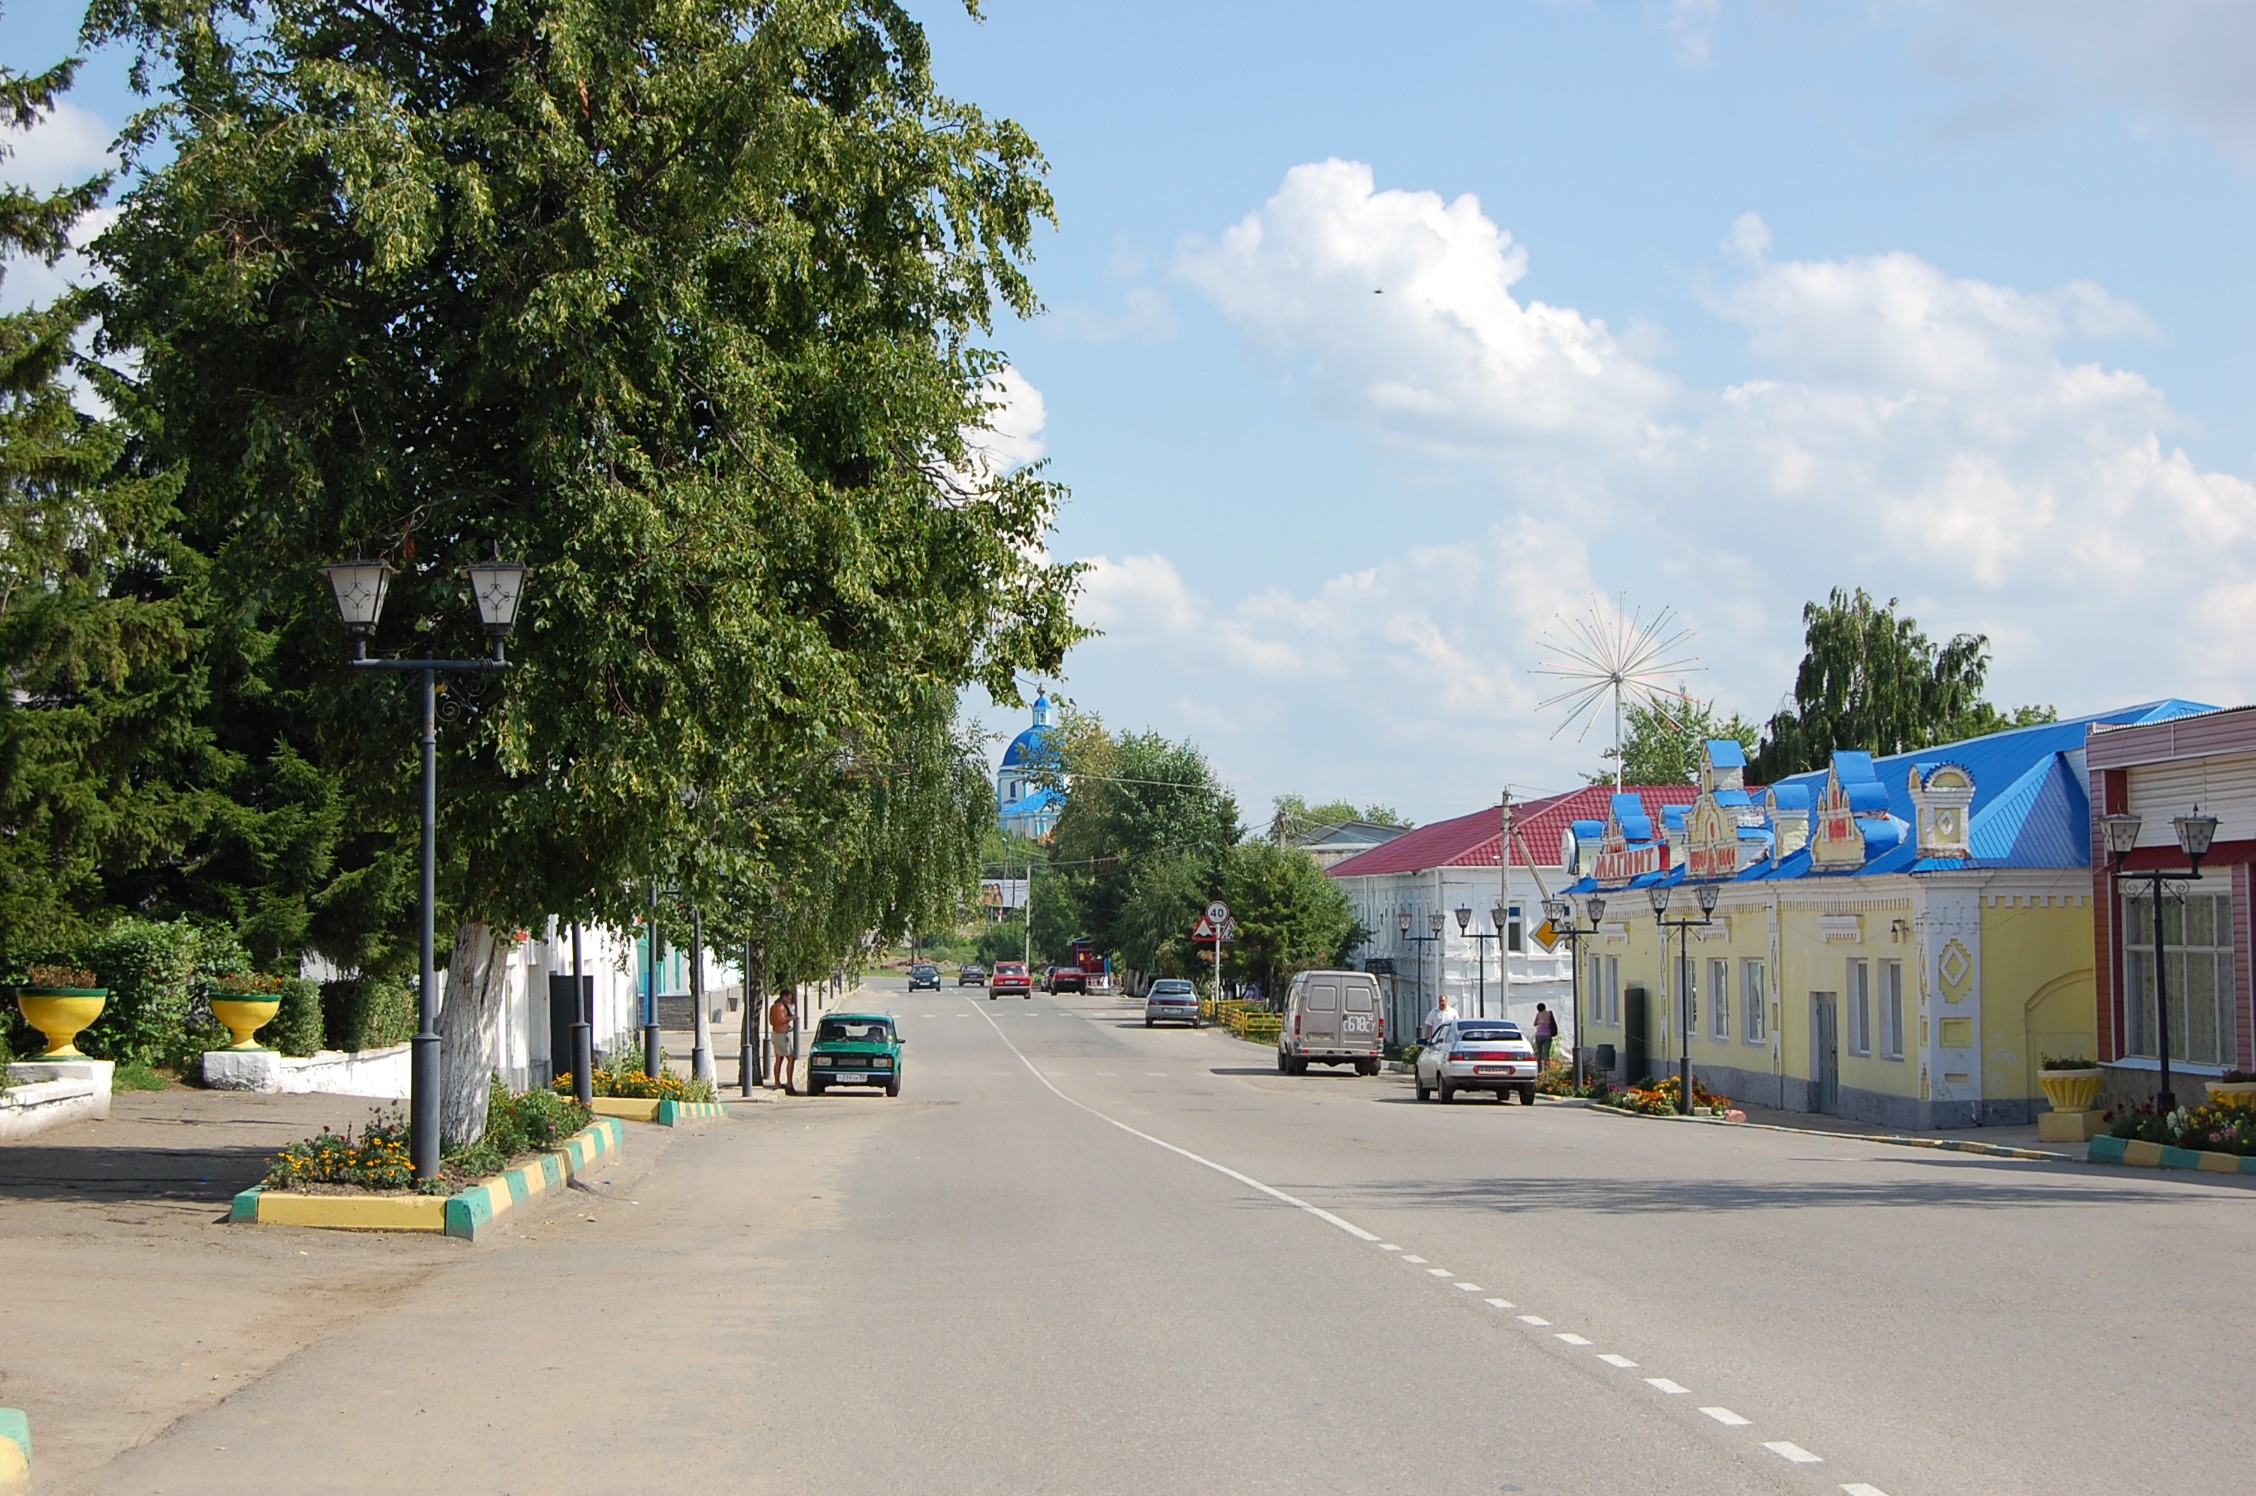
{"points": [[855, 1049]]}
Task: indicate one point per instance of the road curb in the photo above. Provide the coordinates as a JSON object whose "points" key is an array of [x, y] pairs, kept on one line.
{"points": [[674, 1113], [461, 1215], [1944, 1145], [2139, 1155], [15, 1453]]}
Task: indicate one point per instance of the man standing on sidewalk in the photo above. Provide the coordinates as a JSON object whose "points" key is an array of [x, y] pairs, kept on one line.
{"points": [[783, 1038]]}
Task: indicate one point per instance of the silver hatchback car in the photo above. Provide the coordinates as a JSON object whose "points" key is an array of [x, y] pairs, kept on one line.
{"points": [[1171, 1000], [1476, 1054]]}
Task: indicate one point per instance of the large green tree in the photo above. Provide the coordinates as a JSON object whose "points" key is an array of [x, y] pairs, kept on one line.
{"points": [[1291, 814], [682, 304], [1871, 679], [1290, 917]]}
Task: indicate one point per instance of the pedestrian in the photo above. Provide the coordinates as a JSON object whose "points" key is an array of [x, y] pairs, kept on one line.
{"points": [[1546, 1029], [783, 1037], [1440, 1015]]}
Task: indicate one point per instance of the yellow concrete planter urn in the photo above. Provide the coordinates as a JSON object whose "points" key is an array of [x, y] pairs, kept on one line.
{"points": [[244, 1013], [2072, 1093], [2233, 1090], [60, 1001]]}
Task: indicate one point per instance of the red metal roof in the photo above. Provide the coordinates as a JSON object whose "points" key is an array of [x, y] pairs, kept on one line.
{"points": [[1471, 841]]}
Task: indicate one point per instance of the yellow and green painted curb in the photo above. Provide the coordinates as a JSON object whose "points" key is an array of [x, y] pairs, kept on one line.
{"points": [[15, 1453], [463, 1215], [650, 1109], [2160, 1156], [1893, 1140]]}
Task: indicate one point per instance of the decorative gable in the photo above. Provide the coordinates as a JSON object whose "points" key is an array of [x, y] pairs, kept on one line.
{"points": [[1851, 795], [1789, 808], [1944, 795], [1627, 848], [1723, 765], [1723, 831]]}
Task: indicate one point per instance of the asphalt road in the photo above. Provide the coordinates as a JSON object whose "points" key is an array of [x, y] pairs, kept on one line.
{"points": [[1079, 1256]]}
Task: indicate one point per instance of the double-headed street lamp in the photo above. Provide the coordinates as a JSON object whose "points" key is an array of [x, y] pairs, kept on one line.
{"points": [[1433, 923], [1496, 919], [360, 587], [1560, 912], [2195, 833], [1708, 893]]}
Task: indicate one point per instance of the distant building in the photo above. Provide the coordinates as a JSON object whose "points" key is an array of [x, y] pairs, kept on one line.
{"points": [[1028, 807], [1343, 839]]}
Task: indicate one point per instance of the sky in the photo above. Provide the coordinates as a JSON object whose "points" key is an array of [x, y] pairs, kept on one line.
{"points": [[1378, 341]]}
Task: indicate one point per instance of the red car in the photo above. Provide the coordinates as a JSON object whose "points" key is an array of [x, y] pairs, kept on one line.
{"points": [[1010, 976]]}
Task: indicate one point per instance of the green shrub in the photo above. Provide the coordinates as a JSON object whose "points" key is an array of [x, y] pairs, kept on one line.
{"points": [[135, 1076], [518, 1122], [150, 968], [367, 1012], [296, 1028]]}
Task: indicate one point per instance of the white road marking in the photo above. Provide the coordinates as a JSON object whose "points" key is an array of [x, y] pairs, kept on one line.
{"points": [[1469, 1287], [1665, 1385], [1726, 1417], [1441, 1272], [1571, 1339], [1225, 1170], [1156, 1074], [1413, 1259], [1533, 1319], [1387, 1246], [1109, 1074], [1859, 1488], [1500, 1303], [1794, 1452], [1622, 1361]]}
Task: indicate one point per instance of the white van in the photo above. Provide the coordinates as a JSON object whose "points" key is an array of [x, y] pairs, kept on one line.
{"points": [[1332, 1018]]}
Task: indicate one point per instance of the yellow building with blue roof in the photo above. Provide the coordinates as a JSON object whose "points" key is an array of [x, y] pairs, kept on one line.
{"points": [[1896, 939]]}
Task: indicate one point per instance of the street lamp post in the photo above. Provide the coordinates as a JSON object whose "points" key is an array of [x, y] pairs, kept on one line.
{"points": [[1707, 895], [2195, 832], [1402, 923], [359, 587], [1560, 912], [1496, 918]]}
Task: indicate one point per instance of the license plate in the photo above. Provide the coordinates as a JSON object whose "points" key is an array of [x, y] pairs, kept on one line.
{"points": [[848, 1079], [1492, 1070]]}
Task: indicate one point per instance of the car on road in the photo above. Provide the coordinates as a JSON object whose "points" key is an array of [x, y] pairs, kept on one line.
{"points": [[1332, 1018], [924, 974], [971, 974], [1010, 977], [1477, 1054], [855, 1049], [1171, 1000]]}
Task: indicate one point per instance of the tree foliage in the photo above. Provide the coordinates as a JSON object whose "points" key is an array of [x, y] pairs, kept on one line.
{"points": [[1665, 738], [684, 306], [1871, 679], [1291, 814], [1290, 917]]}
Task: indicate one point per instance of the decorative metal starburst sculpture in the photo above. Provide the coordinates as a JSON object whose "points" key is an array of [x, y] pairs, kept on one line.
{"points": [[1614, 653]]}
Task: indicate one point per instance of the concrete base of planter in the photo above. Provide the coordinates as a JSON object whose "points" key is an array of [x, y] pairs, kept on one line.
{"points": [[48, 1093], [2156, 1156], [664, 1113], [2068, 1127], [379, 1073], [463, 1215]]}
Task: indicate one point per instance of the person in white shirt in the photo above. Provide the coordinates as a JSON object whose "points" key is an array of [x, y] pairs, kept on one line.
{"points": [[1440, 1015]]}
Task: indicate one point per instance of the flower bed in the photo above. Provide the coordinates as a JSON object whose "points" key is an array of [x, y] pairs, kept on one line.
{"points": [[376, 1161], [623, 1078], [1659, 1098], [2225, 1124]]}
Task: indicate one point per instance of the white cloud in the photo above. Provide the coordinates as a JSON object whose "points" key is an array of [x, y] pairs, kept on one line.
{"points": [[64, 148], [2189, 60], [1396, 311], [1016, 416], [1928, 436]]}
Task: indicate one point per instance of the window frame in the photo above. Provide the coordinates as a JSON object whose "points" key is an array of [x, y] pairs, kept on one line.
{"points": [[1891, 1010], [1856, 996], [1719, 999], [1754, 993]]}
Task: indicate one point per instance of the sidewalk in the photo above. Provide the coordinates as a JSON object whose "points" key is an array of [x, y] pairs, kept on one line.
{"points": [[2023, 1135]]}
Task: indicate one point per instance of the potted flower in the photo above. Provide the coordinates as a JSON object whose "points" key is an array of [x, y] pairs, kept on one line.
{"points": [[2238, 1087], [2070, 1082], [246, 1001], [59, 1001]]}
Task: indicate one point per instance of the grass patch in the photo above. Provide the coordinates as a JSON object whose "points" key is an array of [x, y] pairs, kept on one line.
{"points": [[135, 1075]]}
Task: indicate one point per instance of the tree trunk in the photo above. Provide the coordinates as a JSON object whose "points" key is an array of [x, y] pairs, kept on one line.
{"points": [[469, 1017]]}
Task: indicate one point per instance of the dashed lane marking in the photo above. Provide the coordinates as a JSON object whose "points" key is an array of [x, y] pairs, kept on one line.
{"points": [[1787, 1450], [1533, 1319], [1859, 1488], [1500, 1303], [1665, 1385], [1571, 1339], [1469, 1287], [1387, 1246], [1726, 1417], [1441, 1272], [1413, 1259], [1622, 1361]]}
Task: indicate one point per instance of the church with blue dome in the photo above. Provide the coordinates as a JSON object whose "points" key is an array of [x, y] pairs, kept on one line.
{"points": [[1028, 807]]}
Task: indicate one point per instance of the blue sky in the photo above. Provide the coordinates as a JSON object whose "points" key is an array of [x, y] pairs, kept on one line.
{"points": [[1948, 301]]}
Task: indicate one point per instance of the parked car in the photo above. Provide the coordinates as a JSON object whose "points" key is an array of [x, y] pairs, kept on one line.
{"points": [[1332, 1018], [924, 974], [1477, 1054], [971, 974], [1009, 977], [855, 1049], [1171, 1000], [1064, 978]]}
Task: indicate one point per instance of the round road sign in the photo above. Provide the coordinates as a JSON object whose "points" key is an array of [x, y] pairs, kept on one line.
{"points": [[1218, 911]]}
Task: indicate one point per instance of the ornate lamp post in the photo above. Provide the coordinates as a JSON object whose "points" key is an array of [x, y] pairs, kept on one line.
{"points": [[1402, 922], [360, 587], [2195, 833], [1707, 895], [1480, 949], [1560, 911]]}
